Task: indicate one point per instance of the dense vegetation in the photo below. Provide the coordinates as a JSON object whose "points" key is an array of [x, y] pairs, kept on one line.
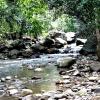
{"points": [[36, 17], [31, 17], [83, 10]]}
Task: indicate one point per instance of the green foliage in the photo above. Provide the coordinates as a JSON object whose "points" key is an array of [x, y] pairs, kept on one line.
{"points": [[18, 15], [83, 10], [32, 17], [65, 23]]}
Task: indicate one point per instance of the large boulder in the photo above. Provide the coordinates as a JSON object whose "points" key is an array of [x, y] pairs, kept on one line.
{"points": [[18, 44], [90, 46], [57, 34], [3, 56], [48, 42], [27, 53], [80, 41], [65, 62], [3, 47], [70, 37], [13, 54], [54, 33], [95, 66], [38, 48], [61, 41], [52, 50]]}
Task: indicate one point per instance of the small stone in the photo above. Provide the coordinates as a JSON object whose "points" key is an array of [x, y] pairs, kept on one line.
{"points": [[65, 62], [2, 92], [95, 98], [82, 92], [25, 92], [12, 91], [49, 94], [62, 72], [19, 58], [69, 91], [3, 79], [62, 82], [38, 95], [99, 81], [66, 81], [93, 78], [76, 73], [59, 96], [44, 98], [95, 66], [11, 87], [63, 99], [96, 89], [35, 78], [28, 97], [38, 69], [66, 77], [8, 77], [30, 67]]}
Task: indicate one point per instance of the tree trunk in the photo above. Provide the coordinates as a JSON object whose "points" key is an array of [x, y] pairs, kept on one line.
{"points": [[97, 22], [98, 44]]}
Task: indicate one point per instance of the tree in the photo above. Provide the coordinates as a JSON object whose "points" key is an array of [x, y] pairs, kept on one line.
{"points": [[82, 10], [97, 22], [20, 16]]}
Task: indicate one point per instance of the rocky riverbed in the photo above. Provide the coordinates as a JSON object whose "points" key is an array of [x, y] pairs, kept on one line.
{"points": [[29, 80], [49, 69]]}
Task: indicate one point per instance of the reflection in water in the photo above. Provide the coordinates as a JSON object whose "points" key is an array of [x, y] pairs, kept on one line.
{"points": [[47, 82]]}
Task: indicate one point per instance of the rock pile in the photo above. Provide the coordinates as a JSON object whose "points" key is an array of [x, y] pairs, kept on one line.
{"points": [[55, 42]]}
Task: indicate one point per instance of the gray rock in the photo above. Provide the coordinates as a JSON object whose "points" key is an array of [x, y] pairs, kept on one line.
{"points": [[30, 67], [80, 41], [59, 96], [96, 90], [2, 92], [70, 37], [28, 97], [48, 42], [76, 73], [66, 81], [3, 79], [93, 78], [37, 47], [90, 45], [26, 92], [13, 54], [38, 69], [82, 92], [66, 77], [95, 98], [61, 41], [65, 62], [12, 91], [95, 66], [27, 53], [8, 77]]}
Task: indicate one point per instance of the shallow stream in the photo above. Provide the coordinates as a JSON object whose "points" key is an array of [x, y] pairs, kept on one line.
{"points": [[47, 77]]}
